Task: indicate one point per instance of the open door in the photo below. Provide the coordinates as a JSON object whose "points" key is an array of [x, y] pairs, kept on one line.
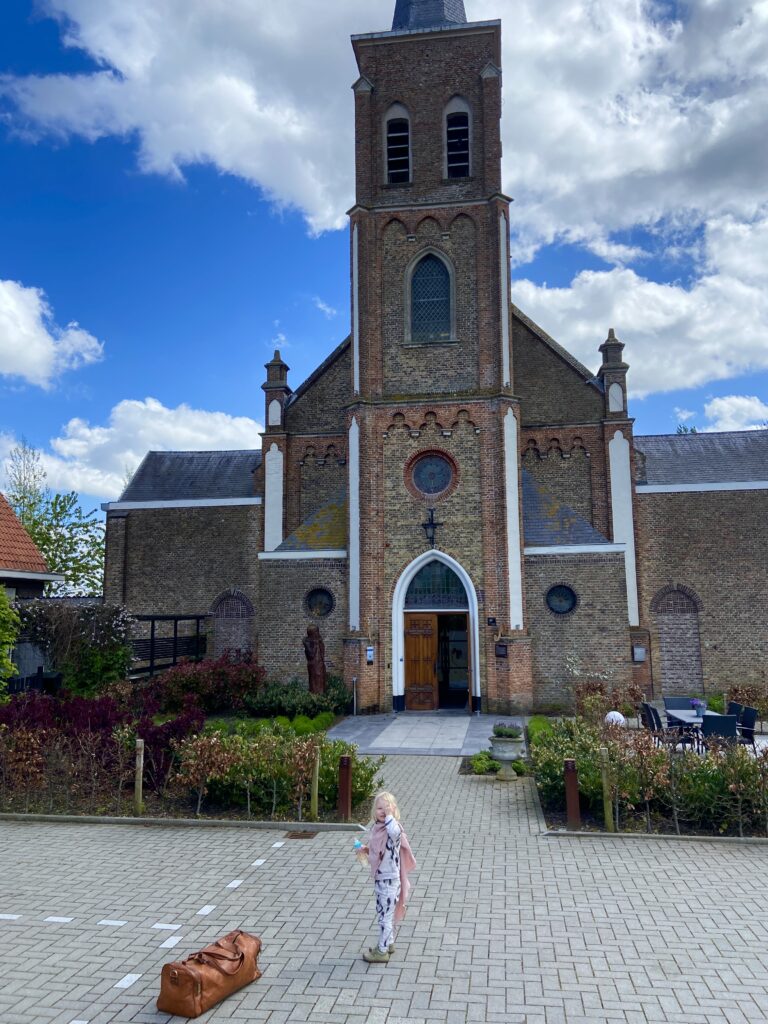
{"points": [[421, 650]]}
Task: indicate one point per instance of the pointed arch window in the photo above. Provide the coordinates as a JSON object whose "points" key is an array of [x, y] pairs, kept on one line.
{"points": [[430, 300], [458, 125], [398, 145], [436, 585]]}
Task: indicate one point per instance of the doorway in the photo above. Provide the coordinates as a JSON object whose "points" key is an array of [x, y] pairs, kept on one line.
{"points": [[437, 674]]}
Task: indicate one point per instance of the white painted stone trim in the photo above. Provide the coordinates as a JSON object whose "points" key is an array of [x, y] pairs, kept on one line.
{"points": [[398, 618], [623, 517], [504, 289], [734, 485], [275, 413], [355, 310], [298, 556], [514, 541], [127, 506], [354, 525], [273, 498], [577, 549], [21, 574]]}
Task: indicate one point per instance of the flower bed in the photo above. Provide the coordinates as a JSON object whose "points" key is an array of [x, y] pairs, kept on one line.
{"points": [[654, 788]]}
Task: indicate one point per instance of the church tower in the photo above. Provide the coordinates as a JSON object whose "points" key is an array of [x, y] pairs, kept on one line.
{"points": [[436, 615]]}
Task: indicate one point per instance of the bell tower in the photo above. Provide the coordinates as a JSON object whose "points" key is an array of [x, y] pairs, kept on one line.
{"points": [[434, 421]]}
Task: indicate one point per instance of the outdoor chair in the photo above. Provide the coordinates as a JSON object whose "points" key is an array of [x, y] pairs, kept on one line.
{"points": [[718, 728], [676, 704], [747, 727], [668, 737], [734, 708]]}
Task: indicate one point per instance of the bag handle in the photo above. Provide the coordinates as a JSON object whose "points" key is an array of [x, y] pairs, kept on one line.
{"points": [[229, 965]]}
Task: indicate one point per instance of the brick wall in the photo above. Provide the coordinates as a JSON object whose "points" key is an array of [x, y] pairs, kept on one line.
{"points": [[319, 408], [566, 476], [715, 545], [283, 622], [596, 633]]}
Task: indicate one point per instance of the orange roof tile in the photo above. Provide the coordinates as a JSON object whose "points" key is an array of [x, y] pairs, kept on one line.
{"points": [[17, 549]]}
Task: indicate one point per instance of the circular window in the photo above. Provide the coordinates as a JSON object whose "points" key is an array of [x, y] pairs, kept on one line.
{"points": [[432, 474], [561, 599], [319, 603]]}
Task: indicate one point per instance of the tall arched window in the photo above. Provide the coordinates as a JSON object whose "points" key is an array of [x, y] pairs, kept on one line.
{"points": [[457, 139], [430, 300], [398, 145]]}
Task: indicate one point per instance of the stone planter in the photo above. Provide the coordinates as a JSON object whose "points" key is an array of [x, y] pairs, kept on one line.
{"points": [[505, 749]]}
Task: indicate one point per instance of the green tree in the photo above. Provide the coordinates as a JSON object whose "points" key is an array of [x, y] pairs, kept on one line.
{"points": [[682, 429], [71, 541], [9, 630]]}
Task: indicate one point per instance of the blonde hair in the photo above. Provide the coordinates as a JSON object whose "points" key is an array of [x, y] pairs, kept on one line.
{"points": [[383, 794]]}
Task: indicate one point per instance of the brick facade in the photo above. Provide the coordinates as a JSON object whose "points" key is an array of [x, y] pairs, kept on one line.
{"points": [[710, 544]]}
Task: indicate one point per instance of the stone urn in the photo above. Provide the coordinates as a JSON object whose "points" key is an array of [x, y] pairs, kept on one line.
{"points": [[507, 745]]}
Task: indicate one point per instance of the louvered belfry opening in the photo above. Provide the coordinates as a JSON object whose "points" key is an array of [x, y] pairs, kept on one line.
{"points": [[398, 151], [457, 145]]}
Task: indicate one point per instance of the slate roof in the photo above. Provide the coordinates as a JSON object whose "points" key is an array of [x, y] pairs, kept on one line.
{"points": [[17, 549], [184, 476], [733, 457], [324, 530], [547, 523], [414, 14]]}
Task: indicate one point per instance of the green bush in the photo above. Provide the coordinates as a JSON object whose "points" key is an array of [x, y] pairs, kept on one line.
{"points": [[716, 702], [483, 764], [538, 726], [519, 767], [364, 775], [292, 699], [504, 731], [9, 630], [303, 726], [324, 721]]}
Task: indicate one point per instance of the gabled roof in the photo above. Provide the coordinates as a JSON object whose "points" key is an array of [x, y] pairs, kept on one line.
{"points": [[547, 523], [180, 476], [17, 549], [739, 456], [324, 530], [415, 14], [337, 353], [558, 349]]}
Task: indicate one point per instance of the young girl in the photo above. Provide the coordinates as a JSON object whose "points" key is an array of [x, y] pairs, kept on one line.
{"points": [[390, 857]]}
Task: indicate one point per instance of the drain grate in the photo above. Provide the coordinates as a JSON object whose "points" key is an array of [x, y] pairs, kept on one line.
{"points": [[300, 835]]}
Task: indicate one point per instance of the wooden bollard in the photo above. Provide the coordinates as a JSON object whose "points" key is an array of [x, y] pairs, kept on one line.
{"points": [[313, 793], [138, 791], [345, 788], [573, 823], [607, 800]]}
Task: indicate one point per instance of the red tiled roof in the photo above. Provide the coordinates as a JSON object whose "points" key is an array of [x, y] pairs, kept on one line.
{"points": [[17, 549]]}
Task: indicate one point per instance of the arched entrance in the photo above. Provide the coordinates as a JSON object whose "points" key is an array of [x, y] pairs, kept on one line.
{"points": [[233, 624], [435, 638]]}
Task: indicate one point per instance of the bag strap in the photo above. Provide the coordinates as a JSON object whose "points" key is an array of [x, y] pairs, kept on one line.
{"points": [[228, 965]]}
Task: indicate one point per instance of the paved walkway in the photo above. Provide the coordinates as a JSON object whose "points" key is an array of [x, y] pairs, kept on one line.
{"points": [[506, 925], [443, 733]]}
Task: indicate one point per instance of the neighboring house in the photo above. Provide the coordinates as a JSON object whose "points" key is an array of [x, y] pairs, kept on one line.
{"points": [[23, 572], [456, 501]]}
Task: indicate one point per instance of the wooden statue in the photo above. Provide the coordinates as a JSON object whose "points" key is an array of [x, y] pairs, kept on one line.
{"points": [[314, 649]]}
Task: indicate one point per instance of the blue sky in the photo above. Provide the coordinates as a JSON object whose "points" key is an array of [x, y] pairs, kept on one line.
{"points": [[174, 179]]}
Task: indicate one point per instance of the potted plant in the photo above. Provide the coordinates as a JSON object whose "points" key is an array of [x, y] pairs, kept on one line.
{"points": [[507, 745], [699, 706]]}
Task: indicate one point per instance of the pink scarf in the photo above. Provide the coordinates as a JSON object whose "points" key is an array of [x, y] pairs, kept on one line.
{"points": [[377, 844]]}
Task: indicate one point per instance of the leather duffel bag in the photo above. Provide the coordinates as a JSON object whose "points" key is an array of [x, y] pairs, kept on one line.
{"points": [[192, 986]]}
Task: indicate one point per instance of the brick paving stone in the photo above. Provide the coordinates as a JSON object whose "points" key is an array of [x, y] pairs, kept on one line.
{"points": [[505, 924]]}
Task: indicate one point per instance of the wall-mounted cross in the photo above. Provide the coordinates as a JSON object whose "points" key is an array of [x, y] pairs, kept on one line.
{"points": [[430, 527]]}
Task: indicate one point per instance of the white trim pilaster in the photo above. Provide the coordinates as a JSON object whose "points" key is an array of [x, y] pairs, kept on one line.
{"points": [[354, 525], [273, 498], [514, 541], [504, 293], [623, 517], [355, 310]]}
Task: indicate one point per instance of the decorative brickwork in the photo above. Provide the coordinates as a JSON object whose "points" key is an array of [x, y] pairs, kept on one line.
{"points": [[564, 475]]}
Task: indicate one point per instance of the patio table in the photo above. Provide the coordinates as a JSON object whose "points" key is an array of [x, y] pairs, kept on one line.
{"points": [[690, 717]]}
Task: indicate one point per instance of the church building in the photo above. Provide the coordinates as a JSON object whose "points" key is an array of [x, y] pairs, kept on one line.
{"points": [[459, 505]]}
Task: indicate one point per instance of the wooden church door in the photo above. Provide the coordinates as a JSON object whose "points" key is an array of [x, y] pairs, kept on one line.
{"points": [[421, 662]]}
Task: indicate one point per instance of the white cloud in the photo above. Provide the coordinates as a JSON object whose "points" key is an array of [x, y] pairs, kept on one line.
{"points": [[676, 337], [324, 308], [736, 412], [683, 415], [614, 118], [32, 346], [94, 459]]}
